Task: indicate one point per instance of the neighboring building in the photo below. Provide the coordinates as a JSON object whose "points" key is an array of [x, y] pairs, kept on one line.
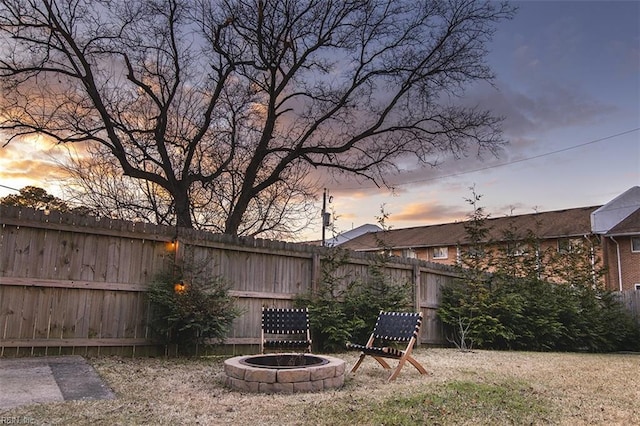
{"points": [[619, 224], [616, 225], [343, 237]]}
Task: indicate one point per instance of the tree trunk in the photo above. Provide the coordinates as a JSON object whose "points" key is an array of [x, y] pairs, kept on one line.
{"points": [[234, 220], [182, 206]]}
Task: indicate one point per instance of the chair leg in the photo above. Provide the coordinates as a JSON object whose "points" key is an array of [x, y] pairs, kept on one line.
{"points": [[416, 364], [401, 363], [382, 362], [396, 371], [357, 364]]}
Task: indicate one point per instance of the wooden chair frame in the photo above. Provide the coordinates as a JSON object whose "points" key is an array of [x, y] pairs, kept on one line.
{"points": [[398, 327], [285, 329]]}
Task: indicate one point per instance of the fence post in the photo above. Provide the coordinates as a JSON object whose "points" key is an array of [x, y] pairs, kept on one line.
{"points": [[316, 272], [417, 296]]}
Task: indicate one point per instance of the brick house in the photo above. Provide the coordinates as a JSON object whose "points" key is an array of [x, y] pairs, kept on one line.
{"points": [[613, 228], [618, 223]]}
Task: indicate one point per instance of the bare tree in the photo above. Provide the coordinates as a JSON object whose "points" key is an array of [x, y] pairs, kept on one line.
{"points": [[225, 103], [95, 182]]}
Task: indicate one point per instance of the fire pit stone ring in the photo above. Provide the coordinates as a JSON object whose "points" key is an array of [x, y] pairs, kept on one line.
{"points": [[284, 373]]}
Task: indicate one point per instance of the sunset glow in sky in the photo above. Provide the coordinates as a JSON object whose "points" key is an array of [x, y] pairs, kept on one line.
{"points": [[567, 83]]}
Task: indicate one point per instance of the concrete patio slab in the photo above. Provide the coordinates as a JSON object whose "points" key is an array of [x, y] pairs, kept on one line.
{"points": [[26, 381]]}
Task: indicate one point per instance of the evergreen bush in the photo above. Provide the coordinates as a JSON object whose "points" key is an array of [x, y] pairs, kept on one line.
{"points": [[198, 314], [505, 299], [343, 309], [539, 316]]}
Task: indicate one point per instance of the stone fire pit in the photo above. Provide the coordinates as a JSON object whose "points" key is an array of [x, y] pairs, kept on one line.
{"points": [[285, 373]]}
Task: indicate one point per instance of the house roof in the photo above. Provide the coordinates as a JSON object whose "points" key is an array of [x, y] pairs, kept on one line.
{"points": [[553, 224], [351, 234], [629, 226], [607, 217], [345, 236]]}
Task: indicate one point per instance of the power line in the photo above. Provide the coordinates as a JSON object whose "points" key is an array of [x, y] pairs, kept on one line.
{"points": [[8, 187], [508, 162]]}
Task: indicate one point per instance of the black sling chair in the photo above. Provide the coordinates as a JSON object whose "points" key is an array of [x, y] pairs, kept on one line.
{"points": [[396, 327], [285, 330]]}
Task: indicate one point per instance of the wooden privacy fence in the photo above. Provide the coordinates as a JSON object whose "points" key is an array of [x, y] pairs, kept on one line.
{"points": [[76, 284], [631, 300]]}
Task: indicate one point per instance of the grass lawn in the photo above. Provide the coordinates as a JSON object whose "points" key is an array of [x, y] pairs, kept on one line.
{"points": [[479, 387]]}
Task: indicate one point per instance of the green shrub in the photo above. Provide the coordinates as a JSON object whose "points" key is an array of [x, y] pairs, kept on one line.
{"points": [[528, 314], [622, 332], [344, 309], [364, 299], [504, 300], [200, 314], [467, 319]]}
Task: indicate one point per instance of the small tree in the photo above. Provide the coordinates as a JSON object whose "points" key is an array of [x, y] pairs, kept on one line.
{"points": [[365, 298], [344, 309], [466, 305], [190, 314], [576, 263], [329, 322]]}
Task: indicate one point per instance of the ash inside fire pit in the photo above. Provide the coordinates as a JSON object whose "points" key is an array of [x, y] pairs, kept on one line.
{"points": [[278, 361]]}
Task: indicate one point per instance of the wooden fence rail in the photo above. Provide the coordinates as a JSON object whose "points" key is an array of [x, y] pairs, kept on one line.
{"points": [[75, 284]]}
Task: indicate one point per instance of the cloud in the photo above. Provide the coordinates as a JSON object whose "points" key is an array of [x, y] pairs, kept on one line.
{"points": [[541, 106], [38, 167], [429, 212], [31, 169], [344, 216], [525, 59]]}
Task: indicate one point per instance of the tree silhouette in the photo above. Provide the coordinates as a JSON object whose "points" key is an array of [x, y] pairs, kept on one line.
{"points": [[37, 198], [231, 105]]}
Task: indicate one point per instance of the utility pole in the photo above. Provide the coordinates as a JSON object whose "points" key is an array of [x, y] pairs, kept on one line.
{"points": [[326, 216], [324, 211]]}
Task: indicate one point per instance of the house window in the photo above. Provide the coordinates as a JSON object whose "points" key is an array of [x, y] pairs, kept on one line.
{"points": [[475, 252], [440, 252], [637, 287], [568, 245], [516, 249], [635, 244], [409, 253]]}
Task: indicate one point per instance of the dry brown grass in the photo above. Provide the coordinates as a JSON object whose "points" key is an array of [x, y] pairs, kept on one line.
{"points": [[568, 389]]}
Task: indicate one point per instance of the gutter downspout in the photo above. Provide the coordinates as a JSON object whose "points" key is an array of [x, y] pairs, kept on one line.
{"points": [[592, 261], [619, 263]]}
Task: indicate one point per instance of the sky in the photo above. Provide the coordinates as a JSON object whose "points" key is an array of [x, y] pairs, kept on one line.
{"points": [[568, 86]]}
